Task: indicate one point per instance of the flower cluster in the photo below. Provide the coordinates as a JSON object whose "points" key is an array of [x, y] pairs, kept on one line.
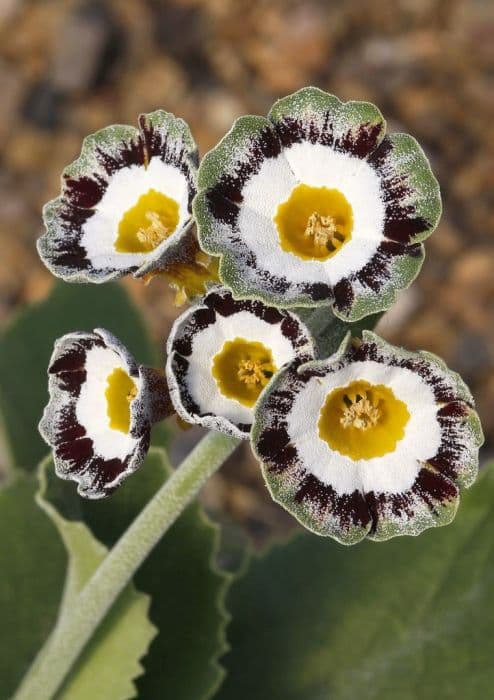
{"points": [[313, 206]]}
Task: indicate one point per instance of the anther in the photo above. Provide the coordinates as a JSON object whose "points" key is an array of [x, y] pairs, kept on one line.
{"points": [[361, 414], [154, 233], [323, 230]]}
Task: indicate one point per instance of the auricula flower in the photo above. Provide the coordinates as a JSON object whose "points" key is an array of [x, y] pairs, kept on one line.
{"points": [[222, 354], [101, 408], [125, 205], [372, 442], [314, 205]]}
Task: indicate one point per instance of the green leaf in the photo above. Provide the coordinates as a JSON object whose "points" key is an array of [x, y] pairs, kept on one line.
{"points": [[26, 346], [328, 330], [32, 566], [186, 588], [410, 618], [110, 662]]}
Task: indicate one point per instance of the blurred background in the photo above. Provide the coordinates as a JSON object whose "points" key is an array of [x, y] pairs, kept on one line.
{"points": [[70, 67]]}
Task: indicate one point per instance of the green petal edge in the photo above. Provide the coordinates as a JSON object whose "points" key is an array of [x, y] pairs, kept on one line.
{"points": [[315, 102]]}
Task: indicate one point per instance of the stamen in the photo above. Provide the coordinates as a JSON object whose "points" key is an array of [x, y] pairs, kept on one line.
{"points": [[323, 230], [154, 233], [254, 372], [131, 394], [360, 413]]}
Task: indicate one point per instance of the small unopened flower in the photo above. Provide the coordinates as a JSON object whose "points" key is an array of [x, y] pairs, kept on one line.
{"points": [[101, 408], [222, 353], [125, 205], [315, 205], [372, 442]]}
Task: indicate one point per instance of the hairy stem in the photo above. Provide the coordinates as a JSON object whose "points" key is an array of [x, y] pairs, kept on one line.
{"points": [[71, 634]]}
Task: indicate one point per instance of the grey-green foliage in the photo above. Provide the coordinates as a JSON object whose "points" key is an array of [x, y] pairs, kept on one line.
{"points": [[408, 619], [187, 590], [111, 660], [44, 561], [32, 570]]}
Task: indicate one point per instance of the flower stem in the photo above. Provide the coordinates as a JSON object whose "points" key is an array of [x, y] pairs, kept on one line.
{"points": [[74, 630]]}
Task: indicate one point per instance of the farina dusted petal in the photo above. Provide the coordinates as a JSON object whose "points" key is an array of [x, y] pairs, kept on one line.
{"points": [[100, 411], [314, 205], [372, 442], [221, 355], [126, 202]]}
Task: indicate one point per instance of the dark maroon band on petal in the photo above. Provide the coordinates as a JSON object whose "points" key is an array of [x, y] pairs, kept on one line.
{"points": [[76, 453], [430, 487], [402, 224], [358, 141], [404, 230], [84, 191], [343, 295], [230, 185], [224, 304], [222, 208], [271, 443], [453, 452], [433, 487], [350, 509], [455, 409], [130, 153], [443, 390], [157, 143]]}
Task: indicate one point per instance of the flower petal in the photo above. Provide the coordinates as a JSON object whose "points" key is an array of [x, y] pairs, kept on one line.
{"points": [[404, 489], [311, 139], [314, 116], [117, 166], [75, 421], [200, 334]]}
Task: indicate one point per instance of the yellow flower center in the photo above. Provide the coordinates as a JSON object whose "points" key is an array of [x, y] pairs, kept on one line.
{"points": [[314, 222], [145, 225], [363, 420], [242, 368], [121, 390]]}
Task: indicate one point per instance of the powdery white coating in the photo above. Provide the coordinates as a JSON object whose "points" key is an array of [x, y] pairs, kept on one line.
{"points": [[124, 189], [92, 406], [207, 343], [269, 187], [318, 166], [396, 471]]}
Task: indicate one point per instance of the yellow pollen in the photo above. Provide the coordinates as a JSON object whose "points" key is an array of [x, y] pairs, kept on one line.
{"points": [[361, 414], [152, 219], [314, 222], [242, 368], [254, 372], [322, 229], [363, 420], [153, 234], [121, 390]]}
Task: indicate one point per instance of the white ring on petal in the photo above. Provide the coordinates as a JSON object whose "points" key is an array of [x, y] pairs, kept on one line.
{"points": [[124, 189], [92, 405], [394, 472], [201, 384], [315, 165]]}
